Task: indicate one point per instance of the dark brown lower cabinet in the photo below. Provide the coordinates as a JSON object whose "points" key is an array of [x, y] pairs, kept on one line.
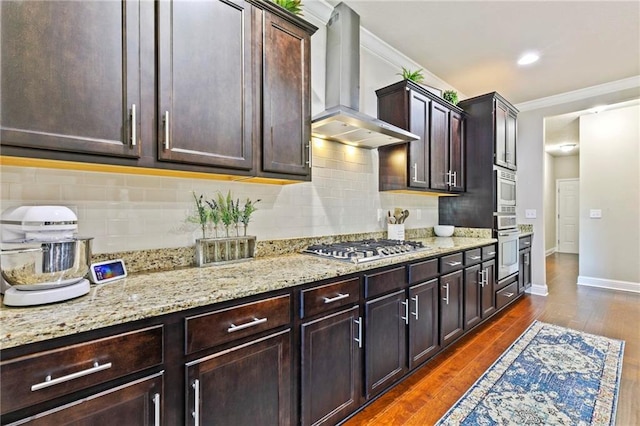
{"points": [[239, 385], [487, 299], [385, 341], [138, 403], [423, 323], [451, 308], [472, 296], [331, 372]]}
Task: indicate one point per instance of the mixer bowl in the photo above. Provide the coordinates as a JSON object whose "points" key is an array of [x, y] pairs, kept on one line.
{"points": [[43, 265]]}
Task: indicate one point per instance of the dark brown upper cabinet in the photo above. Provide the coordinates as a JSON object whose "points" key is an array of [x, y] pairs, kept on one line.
{"points": [[71, 77], [205, 101], [286, 91], [435, 162]]}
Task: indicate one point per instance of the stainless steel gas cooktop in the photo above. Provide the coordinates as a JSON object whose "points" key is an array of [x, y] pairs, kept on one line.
{"points": [[365, 250]]}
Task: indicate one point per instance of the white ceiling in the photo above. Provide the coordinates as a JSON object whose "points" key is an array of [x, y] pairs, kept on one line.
{"points": [[474, 45]]}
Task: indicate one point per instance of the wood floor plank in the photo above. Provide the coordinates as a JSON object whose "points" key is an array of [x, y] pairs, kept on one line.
{"points": [[429, 392]]}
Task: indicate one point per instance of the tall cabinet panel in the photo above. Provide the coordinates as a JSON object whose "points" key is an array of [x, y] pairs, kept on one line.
{"points": [[205, 79], [439, 147], [71, 76], [286, 102]]}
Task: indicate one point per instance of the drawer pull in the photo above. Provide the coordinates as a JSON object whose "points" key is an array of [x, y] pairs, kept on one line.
{"points": [[196, 402], [509, 295], [340, 296], [526, 243], [256, 321], [446, 298], [48, 381], [491, 253], [134, 137], [474, 257], [405, 318], [454, 263], [156, 409], [415, 299]]}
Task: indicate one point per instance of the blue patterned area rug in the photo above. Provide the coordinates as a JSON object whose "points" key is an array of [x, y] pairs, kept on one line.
{"points": [[550, 375]]}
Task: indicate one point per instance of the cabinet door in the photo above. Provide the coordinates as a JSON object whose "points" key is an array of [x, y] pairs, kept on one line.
{"points": [[501, 113], [456, 160], [439, 147], [385, 337], [419, 110], [510, 141], [286, 103], [472, 295], [137, 403], [331, 372], [248, 384], [70, 76], [487, 300], [204, 84], [451, 309], [423, 324], [524, 275]]}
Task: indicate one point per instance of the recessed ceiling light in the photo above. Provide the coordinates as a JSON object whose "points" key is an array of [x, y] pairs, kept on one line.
{"points": [[528, 58]]}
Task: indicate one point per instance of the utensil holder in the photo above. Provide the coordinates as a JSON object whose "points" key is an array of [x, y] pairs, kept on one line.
{"points": [[219, 251], [395, 231]]}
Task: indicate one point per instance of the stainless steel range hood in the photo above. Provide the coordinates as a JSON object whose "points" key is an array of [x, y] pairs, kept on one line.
{"points": [[342, 121]]}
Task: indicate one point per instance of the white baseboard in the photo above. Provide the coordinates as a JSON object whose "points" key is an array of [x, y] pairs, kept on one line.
{"points": [[609, 284], [538, 290], [550, 251]]}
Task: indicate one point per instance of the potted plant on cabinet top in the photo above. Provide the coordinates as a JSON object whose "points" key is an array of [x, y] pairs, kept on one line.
{"points": [[450, 96]]}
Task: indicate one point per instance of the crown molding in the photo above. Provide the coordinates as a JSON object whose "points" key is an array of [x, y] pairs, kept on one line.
{"points": [[576, 95]]}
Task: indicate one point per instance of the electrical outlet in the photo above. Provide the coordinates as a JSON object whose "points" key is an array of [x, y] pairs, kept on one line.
{"points": [[595, 214], [530, 213], [380, 213], [418, 214]]}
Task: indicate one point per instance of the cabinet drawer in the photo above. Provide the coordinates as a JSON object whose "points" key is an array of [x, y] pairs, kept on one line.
{"points": [[384, 282], [42, 376], [471, 257], [489, 252], [423, 271], [506, 295], [525, 242], [214, 328], [319, 299], [450, 263]]}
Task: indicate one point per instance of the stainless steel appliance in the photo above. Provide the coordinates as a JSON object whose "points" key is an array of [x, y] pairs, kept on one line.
{"points": [[508, 262], [42, 259], [505, 184], [505, 221], [365, 250]]}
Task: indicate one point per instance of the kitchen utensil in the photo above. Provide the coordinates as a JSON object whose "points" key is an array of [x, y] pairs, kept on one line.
{"points": [[42, 260], [397, 214], [405, 215]]}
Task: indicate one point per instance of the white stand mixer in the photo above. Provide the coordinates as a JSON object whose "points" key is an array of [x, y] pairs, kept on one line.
{"points": [[42, 259]]}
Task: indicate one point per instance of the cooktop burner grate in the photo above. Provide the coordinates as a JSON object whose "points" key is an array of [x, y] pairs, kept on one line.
{"points": [[365, 250]]}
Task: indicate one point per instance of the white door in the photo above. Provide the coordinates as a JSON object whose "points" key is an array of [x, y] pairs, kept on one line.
{"points": [[567, 207]]}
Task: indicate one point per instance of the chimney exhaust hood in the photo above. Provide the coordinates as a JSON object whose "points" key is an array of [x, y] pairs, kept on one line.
{"points": [[342, 121]]}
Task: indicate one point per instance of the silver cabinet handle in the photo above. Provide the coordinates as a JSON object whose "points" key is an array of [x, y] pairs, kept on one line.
{"points": [[405, 318], [167, 133], [446, 298], [340, 296], [481, 278], [474, 257], [509, 295], [308, 162], [448, 175], [415, 299], [256, 321], [48, 381], [493, 253], [455, 178], [196, 402], [134, 127], [359, 339], [454, 263], [527, 259], [156, 409], [415, 174]]}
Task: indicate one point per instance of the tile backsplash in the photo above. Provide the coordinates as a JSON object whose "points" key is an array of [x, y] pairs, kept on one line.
{"points": [[138, 212]]}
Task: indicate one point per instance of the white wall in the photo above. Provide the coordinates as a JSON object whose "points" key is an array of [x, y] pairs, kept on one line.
{"points": [[610, 165], [134, 212], [567, 167], [531, 163]]}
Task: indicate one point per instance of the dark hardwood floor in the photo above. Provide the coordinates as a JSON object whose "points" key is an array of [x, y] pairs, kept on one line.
{"points": [[426, 395]]}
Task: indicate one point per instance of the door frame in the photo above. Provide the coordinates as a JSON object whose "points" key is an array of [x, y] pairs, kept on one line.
{"points": [[557, 213]]}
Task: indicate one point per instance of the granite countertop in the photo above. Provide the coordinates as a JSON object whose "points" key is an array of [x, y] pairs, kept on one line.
{"points": [[147, 295]]}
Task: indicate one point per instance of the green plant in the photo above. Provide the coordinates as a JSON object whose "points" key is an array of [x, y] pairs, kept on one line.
{"points": [[450, 96], [202, 215], [247, 211], [293, 6], [416, 76]]}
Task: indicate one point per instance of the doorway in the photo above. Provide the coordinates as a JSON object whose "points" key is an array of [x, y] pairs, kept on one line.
{"points": [[567, 214]]}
